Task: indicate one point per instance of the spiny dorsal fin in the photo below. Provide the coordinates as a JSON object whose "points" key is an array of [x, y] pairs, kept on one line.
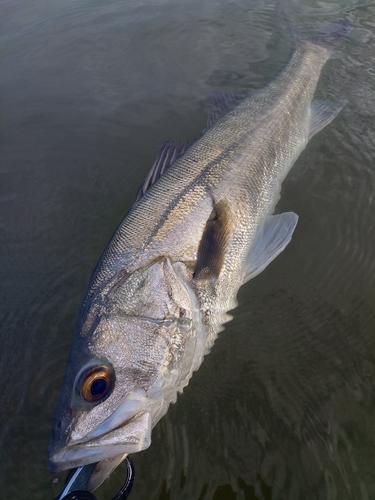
{"points": [[220, 103], [213, 245], [167, 155]]}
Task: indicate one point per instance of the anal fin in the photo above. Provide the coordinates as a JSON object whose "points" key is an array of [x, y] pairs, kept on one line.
{"points": [[322, 113]]}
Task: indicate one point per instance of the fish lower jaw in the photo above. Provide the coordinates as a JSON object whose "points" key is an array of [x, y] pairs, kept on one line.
{"points": [[131, 438], [70, 458]]}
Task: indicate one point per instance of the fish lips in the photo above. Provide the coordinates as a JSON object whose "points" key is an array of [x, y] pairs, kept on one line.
{"points": [[129, 437]]}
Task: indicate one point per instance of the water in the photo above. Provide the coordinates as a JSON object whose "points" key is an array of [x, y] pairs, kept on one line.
{"points": [[283, 407]]}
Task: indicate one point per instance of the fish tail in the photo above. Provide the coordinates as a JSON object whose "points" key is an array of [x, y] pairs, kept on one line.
{"points": [[327, 37]]}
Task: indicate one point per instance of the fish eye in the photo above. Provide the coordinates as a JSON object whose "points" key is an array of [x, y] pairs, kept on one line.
{"points": [[95, 383]]}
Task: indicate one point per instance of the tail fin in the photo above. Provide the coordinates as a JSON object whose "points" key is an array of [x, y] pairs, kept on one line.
{"points": [[328, 37]]}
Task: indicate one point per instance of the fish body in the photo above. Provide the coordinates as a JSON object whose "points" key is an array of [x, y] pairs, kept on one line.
{"points": [[163, 287]]}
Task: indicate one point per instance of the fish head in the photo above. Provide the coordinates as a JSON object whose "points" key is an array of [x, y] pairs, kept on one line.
{"points": [[129, 358], [105, 407]]}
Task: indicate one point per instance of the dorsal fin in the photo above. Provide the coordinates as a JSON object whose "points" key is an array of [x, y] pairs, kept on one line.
{"points": [[167, 155], [220, 103], [214, 242]]}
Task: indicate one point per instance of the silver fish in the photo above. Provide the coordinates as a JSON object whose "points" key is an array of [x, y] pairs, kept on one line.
{"points": [[200, 228]]}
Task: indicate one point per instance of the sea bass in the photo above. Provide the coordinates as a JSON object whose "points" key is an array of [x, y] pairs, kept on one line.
{"points": [[200, 228]]}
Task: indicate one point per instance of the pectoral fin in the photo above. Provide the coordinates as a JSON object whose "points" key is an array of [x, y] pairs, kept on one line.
{"points": [[322, 113], [272, 237], [213, 245]]}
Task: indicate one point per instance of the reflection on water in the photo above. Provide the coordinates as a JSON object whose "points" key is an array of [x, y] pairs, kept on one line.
{"points": [[283, 407]]}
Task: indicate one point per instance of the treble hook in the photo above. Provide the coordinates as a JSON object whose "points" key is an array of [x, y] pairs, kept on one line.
{"points": [[76, 487]]}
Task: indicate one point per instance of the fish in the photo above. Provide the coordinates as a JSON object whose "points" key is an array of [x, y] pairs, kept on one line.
{"points": [[202, 225]]}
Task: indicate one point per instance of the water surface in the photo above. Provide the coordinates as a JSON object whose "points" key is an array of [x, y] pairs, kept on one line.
{"points": [[283, 407]]}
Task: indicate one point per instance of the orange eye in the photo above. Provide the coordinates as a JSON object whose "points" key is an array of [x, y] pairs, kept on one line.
{"points": [[96, 383]]}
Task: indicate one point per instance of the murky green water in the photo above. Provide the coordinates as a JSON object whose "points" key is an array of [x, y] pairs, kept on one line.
{"points": [[284, 405]]}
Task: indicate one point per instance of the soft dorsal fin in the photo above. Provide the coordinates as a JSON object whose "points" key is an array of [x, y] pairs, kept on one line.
{"points": [[167, 155], [220, 103], [213, 245]]}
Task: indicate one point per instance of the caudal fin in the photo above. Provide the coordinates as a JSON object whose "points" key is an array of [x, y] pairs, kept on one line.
{"points": [[328, 37]]}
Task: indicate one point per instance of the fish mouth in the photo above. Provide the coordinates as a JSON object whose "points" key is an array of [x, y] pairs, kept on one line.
{"points": [[105, 442]]}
